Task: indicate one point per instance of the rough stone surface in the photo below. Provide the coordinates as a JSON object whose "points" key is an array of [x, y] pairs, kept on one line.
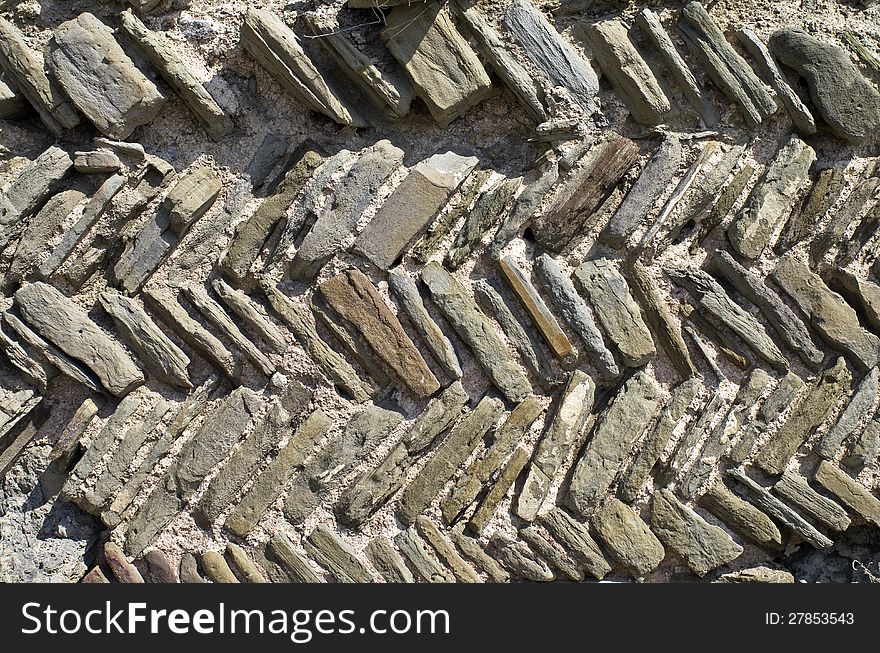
{"points": [[741, 516], [628, 538]]}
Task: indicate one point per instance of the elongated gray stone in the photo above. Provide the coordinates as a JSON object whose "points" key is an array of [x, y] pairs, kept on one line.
{"points": [[631, 411], [847, 101], [411, 303], [526, 89], [294, 564], [12, 102], [575, 311], [719, 440], [866, 447], [694, 92], [189, 569], [472, 549], [861, 402], [159, 353], [704, 205], [426, 565], [337, 222], [861, 293], [798, 112], [703, 546], [781, 511], [741, 516], [270, 484], [724, 65], [562, 434], [711, 297], [124, 571], [100, 79], [92, 212], [643, 195], [827, 312], [251, 234], [572, 209], [254, 318], [538, 183], [301, 322], [616, 310], [487, 210], [354, 298], [41, 228], [834, 234], [551, 552], [99, 162], [527, 343], [485, 511], [629, 73], [65, 324], [37, 181], [157, 568], [815, 408], [187, 201], [242, 464], [387, 561], [165, 305], [369, 492], [447, 458], [476, 331], [68, 441], [628, 538], [445, 72], [35, 371], [551, 53], [795, 489], [411, 207], [822, 196], [266, 37], [444, 549], [468, 486], [390, 93], [657, 439], [575, 537], [243, 564], [217, 569], [850, 492], [200, 456], [520, 560], [26, 70], [778, 314], [215, 314], [771, 202], [163, 55]]}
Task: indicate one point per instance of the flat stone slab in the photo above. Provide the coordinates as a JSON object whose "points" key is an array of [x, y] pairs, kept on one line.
{"points": [[476, 331], [100, 79], [354, 298], [703, 546], [628, 537], [795, 489], [520, 560], [385, 559], [617, 311], [330, 551], [850, 492], [66, 325], [33, 184], [631, 411], [810, 413], [576, 539], [741, 516], [847, 101], [411, 207], [771, 201], [850, 420], [445, 72]]}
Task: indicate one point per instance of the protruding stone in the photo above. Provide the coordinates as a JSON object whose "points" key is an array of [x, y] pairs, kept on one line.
{"points": [[30, 188], [124, 571], [387, 561], [443, 547], [506, 478], [577, 199], [294, 564], [520, 560], [277, 48], [629, 73], [849, 422], [217, 569], [771, 201], [628, 538], [254, 318], [471, 548], [60, 320], [243, 564], [795, 489], [100, 79], [741, 516], [576, 539], [163, 55], [411, 207], [847, 101], [445, 72], [703, 546], [157, 568], [852, 493], [487, 210], [97, 163], [476, 331], [549, 51], [759, 574], [630, 412], [189, 569], [809, 414], [420, 557], [617, 310], [694, 92]]}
